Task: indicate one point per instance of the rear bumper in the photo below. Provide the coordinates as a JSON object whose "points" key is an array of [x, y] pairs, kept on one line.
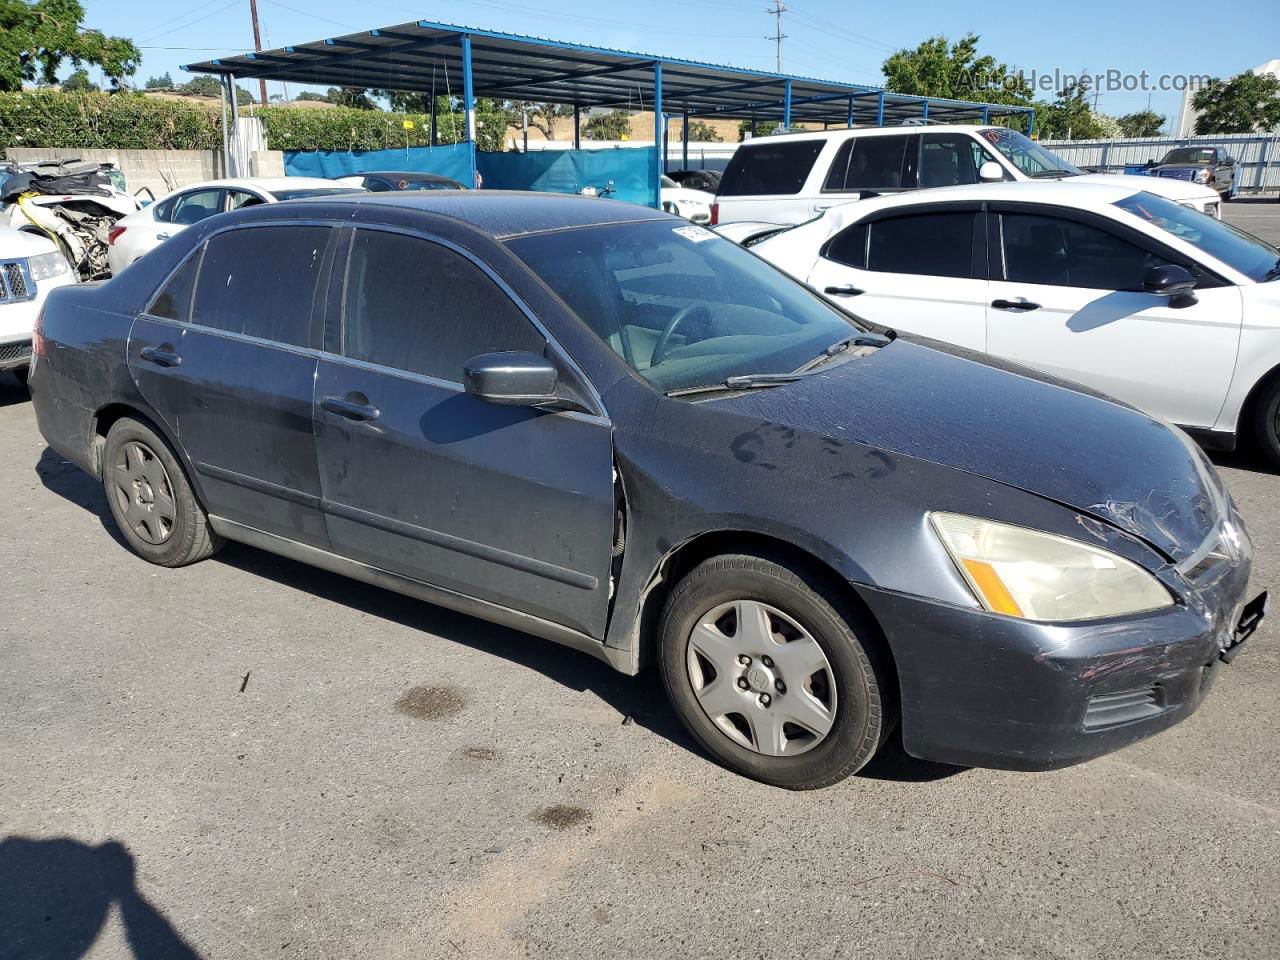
{"points": [[979, 689]]}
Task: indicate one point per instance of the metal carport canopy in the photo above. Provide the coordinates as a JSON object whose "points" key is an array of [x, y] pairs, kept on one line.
{"points": [[440, 58]]}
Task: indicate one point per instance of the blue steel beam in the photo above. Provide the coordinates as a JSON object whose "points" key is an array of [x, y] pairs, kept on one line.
{"points": [[658, 124], [468, 104]]}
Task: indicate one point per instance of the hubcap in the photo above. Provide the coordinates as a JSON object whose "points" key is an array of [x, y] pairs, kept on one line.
{"points": [[761, 678], [143, 492]]}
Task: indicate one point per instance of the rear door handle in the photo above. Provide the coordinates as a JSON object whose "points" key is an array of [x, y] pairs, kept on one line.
{"points": [[162, 236], [844, 290], [350, 409], [1021, 305], [161, 356]]}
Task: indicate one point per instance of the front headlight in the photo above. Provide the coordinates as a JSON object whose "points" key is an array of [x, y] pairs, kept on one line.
{"points": [[1040, 576], [45, 265], [1204, 176]]}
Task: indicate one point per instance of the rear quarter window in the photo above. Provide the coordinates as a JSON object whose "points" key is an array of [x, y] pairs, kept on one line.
{"points": [[770, 169]]}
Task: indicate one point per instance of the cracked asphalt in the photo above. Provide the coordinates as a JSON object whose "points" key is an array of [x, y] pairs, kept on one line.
{"points": [[250, 758]]}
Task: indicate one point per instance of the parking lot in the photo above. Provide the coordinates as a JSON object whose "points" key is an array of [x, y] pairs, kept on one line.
{"points": [[254, 758]]}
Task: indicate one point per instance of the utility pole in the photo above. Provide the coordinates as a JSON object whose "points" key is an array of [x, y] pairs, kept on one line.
{"points": [[778, 9], [257, 46]]}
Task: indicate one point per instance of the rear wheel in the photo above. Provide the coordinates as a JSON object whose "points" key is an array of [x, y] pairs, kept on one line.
{"points": [[774, 675], [1267, 423], [151, 500]]}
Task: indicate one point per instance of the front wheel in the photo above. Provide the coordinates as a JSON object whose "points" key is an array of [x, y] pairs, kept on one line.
{"points": [[777, 677], [151, 500], [1266, 424]]}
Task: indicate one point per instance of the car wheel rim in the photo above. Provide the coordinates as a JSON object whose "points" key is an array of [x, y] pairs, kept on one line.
{"points": [[143, 493], [761, 678]]}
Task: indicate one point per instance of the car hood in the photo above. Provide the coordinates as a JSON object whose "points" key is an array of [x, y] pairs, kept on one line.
{"points": [[685, 195], [19, 243], [975, 413], [1161, 186]]}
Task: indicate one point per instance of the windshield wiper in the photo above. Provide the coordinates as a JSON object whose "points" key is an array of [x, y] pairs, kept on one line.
{"points": [[1053, 173], [861, 339], [747, 381]]}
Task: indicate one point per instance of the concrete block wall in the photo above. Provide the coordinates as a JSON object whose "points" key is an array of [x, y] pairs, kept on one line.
{"points": [[161, 170]]}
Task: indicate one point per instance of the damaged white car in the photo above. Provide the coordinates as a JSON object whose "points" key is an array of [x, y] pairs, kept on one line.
{"points": [[73, 203]]}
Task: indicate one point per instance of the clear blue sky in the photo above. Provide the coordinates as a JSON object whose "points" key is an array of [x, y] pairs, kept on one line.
{"points": [[833, 39]]}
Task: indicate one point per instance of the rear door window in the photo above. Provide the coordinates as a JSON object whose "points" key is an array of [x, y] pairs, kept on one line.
{"points": [[173, 300], [770, 169], [849, 247], [870, 163], [928, 244], [261, 281], [189, 208], [419, 306]]}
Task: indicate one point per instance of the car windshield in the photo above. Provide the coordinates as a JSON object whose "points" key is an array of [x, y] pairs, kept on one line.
{"points": [[1188, 155], [1027, 155], [1244, 252], [431, 185], [683, 306], [302, 193]]}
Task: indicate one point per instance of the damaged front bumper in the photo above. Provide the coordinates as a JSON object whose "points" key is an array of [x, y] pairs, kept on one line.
{"points": [[979, 689]]}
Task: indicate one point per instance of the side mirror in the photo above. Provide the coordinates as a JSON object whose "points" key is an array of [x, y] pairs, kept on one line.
{"points": [[1172, 281], [990, 172], [512, 379]]}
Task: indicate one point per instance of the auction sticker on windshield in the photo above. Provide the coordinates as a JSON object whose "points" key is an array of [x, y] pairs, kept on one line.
{"points": [[696, 234]]}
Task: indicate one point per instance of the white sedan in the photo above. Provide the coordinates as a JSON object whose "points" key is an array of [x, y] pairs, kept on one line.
{"points": [[684, 202], [1123, 291], [140, 232], [30, 266]]}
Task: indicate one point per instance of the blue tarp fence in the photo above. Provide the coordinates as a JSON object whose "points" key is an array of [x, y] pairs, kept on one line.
{"points": [[453, 160], [630, 171]]}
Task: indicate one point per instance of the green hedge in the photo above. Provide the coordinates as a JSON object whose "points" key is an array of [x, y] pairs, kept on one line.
{"points": [[128, 121], [106, 121]]}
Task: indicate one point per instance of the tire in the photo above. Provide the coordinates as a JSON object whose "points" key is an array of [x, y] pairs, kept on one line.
{"points": [[1266, 424], [771, 728], [151, 499]]}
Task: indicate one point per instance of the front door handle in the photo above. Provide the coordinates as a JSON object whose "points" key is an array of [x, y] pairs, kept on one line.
{"points": [[844, 290], [162, 356], [1021, 305], [350, 409], [162, 236]]}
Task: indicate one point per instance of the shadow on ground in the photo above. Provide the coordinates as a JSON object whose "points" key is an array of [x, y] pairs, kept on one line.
{"points": [[638, 700], [58, 894], [12, 391]]}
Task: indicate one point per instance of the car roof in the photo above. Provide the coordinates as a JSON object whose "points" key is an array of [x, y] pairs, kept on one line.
{"points": [[500, 214], [404, 175], [1081, 196], [265, 183], [868, 132]]}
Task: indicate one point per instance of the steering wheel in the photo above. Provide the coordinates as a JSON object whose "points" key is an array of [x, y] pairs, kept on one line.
{"points": [[664, 341]]}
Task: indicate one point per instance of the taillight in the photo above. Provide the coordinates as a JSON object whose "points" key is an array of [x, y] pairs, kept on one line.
{"points": [[114, 232], [715, 214], [37, 335]]}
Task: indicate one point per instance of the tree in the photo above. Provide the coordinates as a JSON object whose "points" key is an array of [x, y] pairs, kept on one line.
{"points": [[79, 82], [355, 97], [1069, 117], [543, 116], [37, 36], [311, 95], [702, 131], [1247, 103], [207, 86], [608, 126], [939, 68], [761, 128], [1143, 124], [160, 83]]}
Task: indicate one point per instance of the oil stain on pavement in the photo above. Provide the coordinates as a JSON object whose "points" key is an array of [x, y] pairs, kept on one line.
{"points": [[430, 703]]}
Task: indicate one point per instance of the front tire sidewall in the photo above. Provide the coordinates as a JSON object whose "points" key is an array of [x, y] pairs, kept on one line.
{"points": [[860, 714], [180, 547], [1266, 429]]}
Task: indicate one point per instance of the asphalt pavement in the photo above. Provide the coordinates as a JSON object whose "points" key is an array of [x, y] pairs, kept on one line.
{"points": [[250, 758]]}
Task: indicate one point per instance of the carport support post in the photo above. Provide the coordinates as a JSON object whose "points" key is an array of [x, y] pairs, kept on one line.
{"points": [[880, 110], [469, 105], [684, 153], [986, 115], [1031, 122], [657, 135], [577, 127], [924, 111], [786, 109], [233, 134], [849, 124]]}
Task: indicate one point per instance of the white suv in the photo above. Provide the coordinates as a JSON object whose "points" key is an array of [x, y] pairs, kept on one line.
{"points": [[30, 266], [793, 178]]}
